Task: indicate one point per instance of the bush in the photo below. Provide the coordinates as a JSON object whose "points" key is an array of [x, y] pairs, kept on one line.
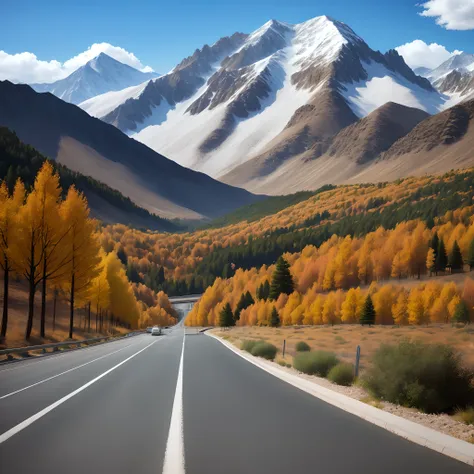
{"points": [[248, 345], [315, 363], [342, 374], [424, 376], [302, 347], [265, 350], [466, 416]]}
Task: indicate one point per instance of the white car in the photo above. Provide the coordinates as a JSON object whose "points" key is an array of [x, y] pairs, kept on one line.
{"points": [[156, 331], [149, 329]]}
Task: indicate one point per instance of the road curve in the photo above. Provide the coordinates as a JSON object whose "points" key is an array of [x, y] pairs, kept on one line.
{"points": [[127, 406]]}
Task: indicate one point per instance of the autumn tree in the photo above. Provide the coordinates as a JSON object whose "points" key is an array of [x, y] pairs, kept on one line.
{"points": [[416, 307], [400, 309], [352, 306], [30, 246], [122, 301], [367, 316], [82, 246], [9, 206], [282, 281], [53, 232], [100, 290], [431, 261]]}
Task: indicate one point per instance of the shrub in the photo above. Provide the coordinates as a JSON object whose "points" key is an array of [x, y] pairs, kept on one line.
{"points": [[265, 350], [302, 347], [424, 376], [342, 374], [315, 363], [466, 416], [281, 362], [248, 345]]}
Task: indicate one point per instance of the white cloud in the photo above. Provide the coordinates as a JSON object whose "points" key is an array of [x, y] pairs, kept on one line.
{"points": [[27, 68], [419, 54], [450, 14]]}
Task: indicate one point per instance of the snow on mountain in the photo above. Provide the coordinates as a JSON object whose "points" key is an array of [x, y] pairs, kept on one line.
{"points": [[454, 79], [103, 104], [382, 86], [98, 76], [271, 94], [463, 62]]}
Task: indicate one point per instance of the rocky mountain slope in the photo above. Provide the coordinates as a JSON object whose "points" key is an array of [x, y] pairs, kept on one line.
{"points": [[84, 144], [360, 153], [98, 76], [269, 96]]}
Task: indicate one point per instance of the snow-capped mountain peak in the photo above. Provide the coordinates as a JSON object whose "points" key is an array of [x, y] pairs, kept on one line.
{"points": [[100, 75], [268, 95]]}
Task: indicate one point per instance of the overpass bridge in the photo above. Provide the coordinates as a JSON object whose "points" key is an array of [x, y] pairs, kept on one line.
{"points": [[184, 304]]}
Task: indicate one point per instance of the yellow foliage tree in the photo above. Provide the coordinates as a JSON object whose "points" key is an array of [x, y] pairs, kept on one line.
{"points": [[123, 303], [9, 206], [400, 309], [352, 306], [416, 308], [82, 247]]}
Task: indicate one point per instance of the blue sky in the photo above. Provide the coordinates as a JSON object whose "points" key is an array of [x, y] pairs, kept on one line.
{"points": [[161, 33]]}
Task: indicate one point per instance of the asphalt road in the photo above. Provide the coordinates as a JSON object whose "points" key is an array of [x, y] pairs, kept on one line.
{"points": [[173, 404]]}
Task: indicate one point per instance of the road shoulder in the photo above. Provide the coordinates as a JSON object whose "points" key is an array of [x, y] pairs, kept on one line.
{"points": [[422, 435]]}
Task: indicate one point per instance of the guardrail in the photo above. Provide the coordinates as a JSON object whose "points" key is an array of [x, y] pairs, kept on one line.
{"points": [[24, 351]]}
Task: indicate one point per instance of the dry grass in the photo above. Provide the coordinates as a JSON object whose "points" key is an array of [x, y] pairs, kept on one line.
{"points": [[18, 315], [344, 339]]}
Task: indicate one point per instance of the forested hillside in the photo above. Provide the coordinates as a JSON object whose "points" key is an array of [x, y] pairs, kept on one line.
{"points": [[18, 160], [191, 261]]}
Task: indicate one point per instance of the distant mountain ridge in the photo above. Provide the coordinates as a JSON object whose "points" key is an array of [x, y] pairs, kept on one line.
{"points": [[18, 160], [84, 144], [99, 75], [454, 78]]}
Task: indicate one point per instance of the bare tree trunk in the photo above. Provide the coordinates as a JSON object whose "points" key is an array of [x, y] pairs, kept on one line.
{"points": [[43, 303], [32, 290], [5, 301], [89, 317], [71, 308], [54, 308]]}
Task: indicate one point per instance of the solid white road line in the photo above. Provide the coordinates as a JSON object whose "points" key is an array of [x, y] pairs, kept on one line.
{"points": [[24, 424], [62, 373], [174, 455]]}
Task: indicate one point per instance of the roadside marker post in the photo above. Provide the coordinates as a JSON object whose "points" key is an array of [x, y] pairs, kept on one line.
{"points": [[356, 368], [284, 346]]}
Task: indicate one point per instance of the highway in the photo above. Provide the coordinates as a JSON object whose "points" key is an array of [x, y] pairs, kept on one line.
{"points": [[175, 404]]}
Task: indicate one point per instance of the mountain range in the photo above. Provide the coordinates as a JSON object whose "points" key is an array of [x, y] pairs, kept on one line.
{"points": [[242, 108], [99, 75], [283, 109], [64, 132]]}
